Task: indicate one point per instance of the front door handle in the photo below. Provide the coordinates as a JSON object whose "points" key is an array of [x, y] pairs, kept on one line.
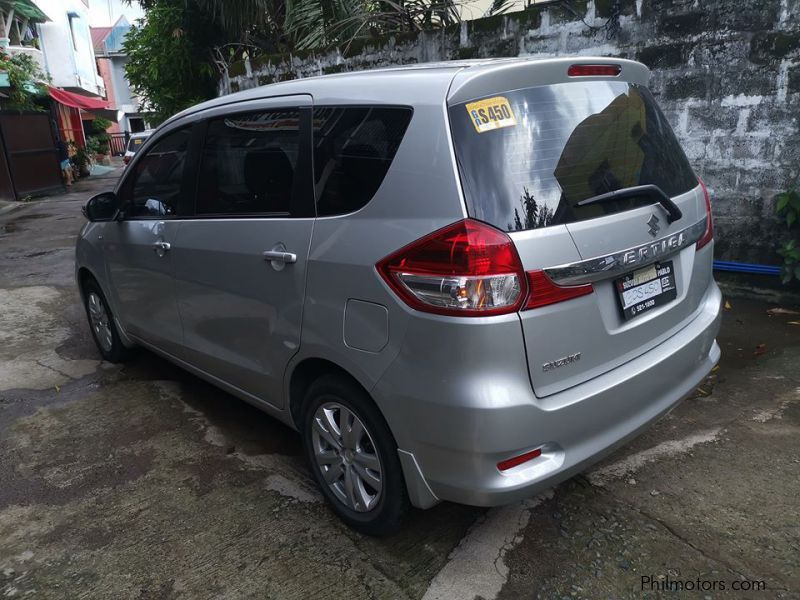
{"points": [[161, 248], [279, 256]]}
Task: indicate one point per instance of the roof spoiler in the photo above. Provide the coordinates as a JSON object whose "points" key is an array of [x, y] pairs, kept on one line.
{"points": [[483, 80]]}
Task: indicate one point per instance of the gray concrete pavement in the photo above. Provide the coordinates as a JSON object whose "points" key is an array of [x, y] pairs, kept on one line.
{"points": [[141, 481]]}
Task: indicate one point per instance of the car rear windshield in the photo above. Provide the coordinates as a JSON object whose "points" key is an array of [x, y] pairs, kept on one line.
{"points": [[135, 143], [527, 157]]}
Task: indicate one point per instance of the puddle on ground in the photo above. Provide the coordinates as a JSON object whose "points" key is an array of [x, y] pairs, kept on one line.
{"points": [[31, 217], [13, 226], [40, 253]]}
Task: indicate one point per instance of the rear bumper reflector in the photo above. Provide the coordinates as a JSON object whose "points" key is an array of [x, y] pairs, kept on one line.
{"points": [[518, 460]]}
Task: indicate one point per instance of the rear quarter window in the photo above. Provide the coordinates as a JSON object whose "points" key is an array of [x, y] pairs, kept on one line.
{"points": [[353, 150], [561, 144]]}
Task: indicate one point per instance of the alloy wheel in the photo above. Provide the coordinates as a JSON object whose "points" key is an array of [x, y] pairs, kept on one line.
{"points": [[346, 456], [100, 321]]}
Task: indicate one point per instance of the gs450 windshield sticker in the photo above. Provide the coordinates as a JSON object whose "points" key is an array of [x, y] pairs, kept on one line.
{"points": [[491, 113]]}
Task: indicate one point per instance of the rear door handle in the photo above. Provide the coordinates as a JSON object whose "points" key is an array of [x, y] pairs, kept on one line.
{"points": [[279, 256], [161, 247]]}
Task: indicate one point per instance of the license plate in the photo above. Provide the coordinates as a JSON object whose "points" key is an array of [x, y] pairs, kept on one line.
{"points": [[646, 289]]}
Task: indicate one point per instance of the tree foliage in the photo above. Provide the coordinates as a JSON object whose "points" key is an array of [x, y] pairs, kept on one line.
{"points": [[25, 78], [323, 23], [177, 55], [170, 65], [787, 206], [535, 216]]}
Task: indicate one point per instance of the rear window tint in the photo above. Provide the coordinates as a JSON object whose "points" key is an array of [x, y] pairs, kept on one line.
{"points": [[541, 150], [135, 143], [353, 149]]}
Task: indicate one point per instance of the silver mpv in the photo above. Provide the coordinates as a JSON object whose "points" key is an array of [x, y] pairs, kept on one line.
{"points": [[463, 281]]}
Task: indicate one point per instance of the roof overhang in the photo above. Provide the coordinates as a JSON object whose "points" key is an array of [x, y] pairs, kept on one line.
{"points": [[25, 8], [76, 100]]}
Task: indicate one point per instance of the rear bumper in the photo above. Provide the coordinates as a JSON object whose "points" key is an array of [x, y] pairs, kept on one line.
{"points": [[457, 433]]}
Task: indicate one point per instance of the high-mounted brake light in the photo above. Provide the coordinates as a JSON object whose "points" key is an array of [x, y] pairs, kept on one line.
{"points": [[518, 460], [465, 269], [543, 292], [709, 233], [594, 70]]}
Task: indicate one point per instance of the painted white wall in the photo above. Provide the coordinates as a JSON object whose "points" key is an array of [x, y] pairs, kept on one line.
{"points": [[67, 46], [475, 9], [104, 13]]}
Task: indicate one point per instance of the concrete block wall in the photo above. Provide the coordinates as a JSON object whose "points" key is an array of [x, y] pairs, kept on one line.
{"points": [[727, 75]]}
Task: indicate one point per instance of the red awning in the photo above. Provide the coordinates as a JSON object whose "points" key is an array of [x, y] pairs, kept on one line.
{"points": [[77, 101]]}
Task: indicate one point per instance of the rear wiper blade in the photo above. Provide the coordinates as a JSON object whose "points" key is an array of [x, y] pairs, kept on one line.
{"points": [[673, 212]]}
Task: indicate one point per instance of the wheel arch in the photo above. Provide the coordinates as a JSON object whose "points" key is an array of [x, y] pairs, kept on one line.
{"points": [[85, 275], [306, 372], [309, 370]]}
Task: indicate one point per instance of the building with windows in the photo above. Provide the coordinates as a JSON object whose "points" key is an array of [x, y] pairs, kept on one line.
{"points": [[111, 60], [67, 47], [19, 31], [103, 13], [55, 33], [85, 65]]}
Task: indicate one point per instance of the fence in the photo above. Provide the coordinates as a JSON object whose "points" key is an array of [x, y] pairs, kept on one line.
{"points": [[118, 143], [28, 155]]}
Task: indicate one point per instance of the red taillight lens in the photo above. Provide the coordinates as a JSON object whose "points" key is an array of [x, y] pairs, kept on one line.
{"points": [[594, 70], [466, 269], [709, 233], [518, 460], [542, 290]]}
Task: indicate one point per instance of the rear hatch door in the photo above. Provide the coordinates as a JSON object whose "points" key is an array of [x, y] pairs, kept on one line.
{"points": [[544, 170]]}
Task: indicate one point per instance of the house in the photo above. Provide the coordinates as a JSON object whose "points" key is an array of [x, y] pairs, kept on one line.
{"points": [[19, 33], [67, 46], [55, 33], [111, 61], [105, 12]]}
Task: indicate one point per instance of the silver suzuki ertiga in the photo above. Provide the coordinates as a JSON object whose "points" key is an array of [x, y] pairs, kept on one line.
{"points": [[463, 281]]}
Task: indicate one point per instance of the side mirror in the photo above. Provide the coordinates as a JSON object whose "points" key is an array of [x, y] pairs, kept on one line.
{"points": [[102, 207]]}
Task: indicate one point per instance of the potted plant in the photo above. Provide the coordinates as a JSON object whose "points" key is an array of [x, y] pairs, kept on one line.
{"points": [[94, 147], [81, 159], [100, 139]]}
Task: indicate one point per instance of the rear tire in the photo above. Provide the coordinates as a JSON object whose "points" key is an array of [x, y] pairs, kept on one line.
{"points": [[353, 456], [102, 324]]}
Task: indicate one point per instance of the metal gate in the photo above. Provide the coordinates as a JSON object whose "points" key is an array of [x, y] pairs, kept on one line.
{"points": [[29, 161], [118, 143]]}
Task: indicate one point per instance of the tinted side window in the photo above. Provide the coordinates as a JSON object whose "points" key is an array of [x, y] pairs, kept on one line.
{"points": [[353, 149], [248, 164], [154, 187]]}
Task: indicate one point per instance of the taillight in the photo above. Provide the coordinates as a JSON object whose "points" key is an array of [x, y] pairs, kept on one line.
{"points": [[542, 291], [709, 233], [465, 269], [594, 70]]}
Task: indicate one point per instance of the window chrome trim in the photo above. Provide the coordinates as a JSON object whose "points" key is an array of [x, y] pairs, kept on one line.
{"points": [[618, 263]]}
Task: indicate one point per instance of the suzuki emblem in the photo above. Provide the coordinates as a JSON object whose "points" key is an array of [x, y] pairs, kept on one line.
{"points": [[653, 224]]}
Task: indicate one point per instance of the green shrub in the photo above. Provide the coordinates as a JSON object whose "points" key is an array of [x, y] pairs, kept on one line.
{"points": [[787, 206]]}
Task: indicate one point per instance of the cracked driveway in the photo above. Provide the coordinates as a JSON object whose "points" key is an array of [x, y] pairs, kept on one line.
{"points": [[141, 481]]}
